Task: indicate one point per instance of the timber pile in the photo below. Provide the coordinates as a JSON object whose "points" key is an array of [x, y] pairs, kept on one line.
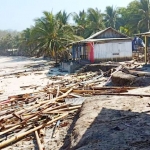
{"points": [[29, 114]]}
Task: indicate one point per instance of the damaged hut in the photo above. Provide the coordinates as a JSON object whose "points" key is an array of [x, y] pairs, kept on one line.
{"points": [[105, 45]]}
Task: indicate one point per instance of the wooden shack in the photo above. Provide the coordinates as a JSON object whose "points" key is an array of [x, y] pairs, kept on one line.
{"points": [[105, 45]]}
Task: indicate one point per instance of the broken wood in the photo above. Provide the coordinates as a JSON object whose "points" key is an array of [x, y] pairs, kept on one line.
{"points": [[38, 141], [15, 138], [124, 94]]}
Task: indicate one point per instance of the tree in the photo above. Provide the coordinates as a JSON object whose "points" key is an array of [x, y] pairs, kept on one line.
{"points": [[144, 10], [94, 20], [62, 17], [51, 35], [110, 17], [27, 42], [129, 18], [81, 23]]}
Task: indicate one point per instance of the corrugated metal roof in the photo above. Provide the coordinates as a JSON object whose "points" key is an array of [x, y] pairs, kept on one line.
{"points": [[100, 32], [90, 39], [101, 40]]}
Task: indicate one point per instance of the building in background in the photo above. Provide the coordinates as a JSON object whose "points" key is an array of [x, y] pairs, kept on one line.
{"points": [[105, 45]]}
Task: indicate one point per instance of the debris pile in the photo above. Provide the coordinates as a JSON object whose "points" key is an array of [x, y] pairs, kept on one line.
{"points": [[27, 115], [30, 116]]}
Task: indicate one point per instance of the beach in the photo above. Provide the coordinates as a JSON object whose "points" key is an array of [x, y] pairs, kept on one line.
{"points": [[20, 75]]}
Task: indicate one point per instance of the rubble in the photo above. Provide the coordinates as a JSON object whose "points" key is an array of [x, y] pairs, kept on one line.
{"points": [[25, 114], [36, 120]]}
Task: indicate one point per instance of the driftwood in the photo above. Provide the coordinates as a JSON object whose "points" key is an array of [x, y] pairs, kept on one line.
{"points": [[117, 69]]}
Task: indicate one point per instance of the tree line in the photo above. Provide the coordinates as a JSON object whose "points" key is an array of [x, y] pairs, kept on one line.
{"points": [[52, 33]]}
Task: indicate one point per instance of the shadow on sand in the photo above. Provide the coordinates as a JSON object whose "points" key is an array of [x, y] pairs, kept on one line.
{"points": [[111, 129]]}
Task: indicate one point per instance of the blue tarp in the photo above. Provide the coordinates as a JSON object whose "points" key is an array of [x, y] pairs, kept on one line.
{"points": [[137, 42]]}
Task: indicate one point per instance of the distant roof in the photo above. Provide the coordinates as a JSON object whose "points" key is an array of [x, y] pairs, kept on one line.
{"points": [[105, 30]]}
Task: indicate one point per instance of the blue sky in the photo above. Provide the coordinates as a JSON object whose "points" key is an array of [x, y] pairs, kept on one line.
{"points": [[20, 14]]}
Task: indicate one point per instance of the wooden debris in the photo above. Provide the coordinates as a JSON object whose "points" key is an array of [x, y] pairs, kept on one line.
{"points": [[30, 113], [38, 141], [15, 138]]}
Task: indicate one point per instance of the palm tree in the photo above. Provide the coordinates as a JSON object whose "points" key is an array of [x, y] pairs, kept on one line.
{"points": [[51, 35], [95, 21], [81, 22], [145, 12], [26, 42], [110, 17], [62, 17]]}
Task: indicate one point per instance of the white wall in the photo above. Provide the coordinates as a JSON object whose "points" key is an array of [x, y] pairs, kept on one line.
{"points": [[113, 50]]}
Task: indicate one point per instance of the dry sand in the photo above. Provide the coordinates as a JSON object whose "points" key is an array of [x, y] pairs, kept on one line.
{"points": [[112, 123], [30, 73]]}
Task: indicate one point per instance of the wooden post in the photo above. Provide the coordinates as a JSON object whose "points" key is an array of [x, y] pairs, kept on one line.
{"points": [[145, 49]]}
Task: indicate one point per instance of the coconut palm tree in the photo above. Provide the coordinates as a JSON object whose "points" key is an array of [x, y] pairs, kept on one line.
{"points": [[51, 35], [110, 16], [144, 10], [81, 23], [62, 17], [95, 21], [26, 43]]}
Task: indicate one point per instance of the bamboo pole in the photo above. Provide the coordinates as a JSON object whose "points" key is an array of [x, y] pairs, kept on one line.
{"points": [[63, 109], [124, 94], [34, 116], [38, 141], [57, 91], [99, 91], [42, 104], [15, 138], [109, 88]]}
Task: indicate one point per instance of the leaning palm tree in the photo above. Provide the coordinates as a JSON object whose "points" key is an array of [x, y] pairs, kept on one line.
{"points": [[145, 12], [110, 16]]}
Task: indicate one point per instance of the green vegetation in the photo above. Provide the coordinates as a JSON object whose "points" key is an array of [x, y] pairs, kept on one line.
{"points": [[52, 33]]}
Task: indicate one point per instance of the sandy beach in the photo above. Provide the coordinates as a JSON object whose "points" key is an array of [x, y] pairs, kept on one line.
{"points": [[20, 75], [77, 108]]}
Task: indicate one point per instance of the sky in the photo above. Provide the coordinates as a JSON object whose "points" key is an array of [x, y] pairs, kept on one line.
{"points": [[20, 14]]}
